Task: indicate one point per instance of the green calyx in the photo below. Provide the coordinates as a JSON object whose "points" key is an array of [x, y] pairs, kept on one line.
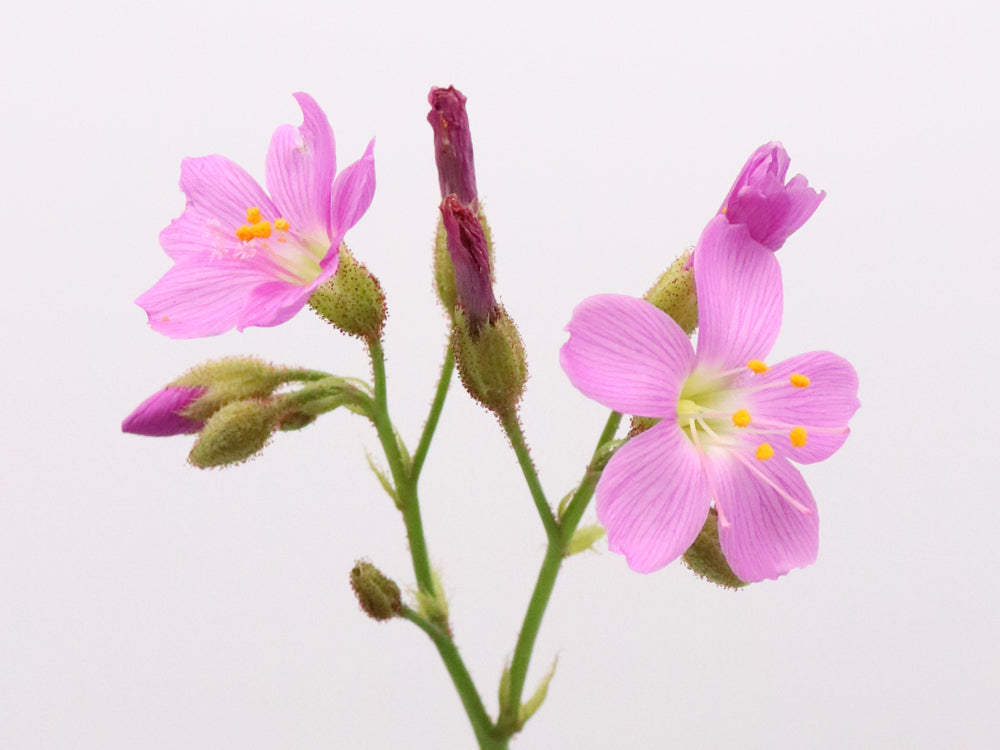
{"points": [[378, 595], [491, 362], [228, 380], [705, 557], [352, 299], [233, 434], [674, 293]]}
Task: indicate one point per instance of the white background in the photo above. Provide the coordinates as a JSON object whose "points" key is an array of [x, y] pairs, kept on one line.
{"points": [[146, 604]]}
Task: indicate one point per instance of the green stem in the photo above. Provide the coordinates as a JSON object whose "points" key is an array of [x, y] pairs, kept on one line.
{"points": [[405, 472], [508, 723], [512, 427], [405, 488], [447, 368], [482, 725]]}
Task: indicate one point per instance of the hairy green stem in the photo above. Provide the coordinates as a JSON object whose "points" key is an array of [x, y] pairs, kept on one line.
{"points": [[447, 368], [405, 489], [509, 721], [405, 473], [482, 725], [512, 427]]}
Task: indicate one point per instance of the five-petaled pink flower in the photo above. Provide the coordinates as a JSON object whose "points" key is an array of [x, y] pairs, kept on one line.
{"points": [[243, 258], [729, 424], [761, 200]]}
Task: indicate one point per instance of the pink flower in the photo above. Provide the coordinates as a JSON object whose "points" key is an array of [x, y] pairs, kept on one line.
{"points": [[162, 414], [729, 424], [242, 258], [762, 201]]}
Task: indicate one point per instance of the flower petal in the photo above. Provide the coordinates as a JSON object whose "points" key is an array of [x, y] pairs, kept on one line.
{"points": [[738, 282], [300, 166], [762, 533], [352, 194], [769, 161], [823, 408], [653, 497], [627, 355], [273, 303], [159, 415], [219, 192], [201, 296]]}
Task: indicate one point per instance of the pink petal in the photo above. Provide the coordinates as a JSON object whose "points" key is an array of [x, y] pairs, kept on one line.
{"points": [[201, 296], [159, 415], [352, 194], [823, 408], [770, 160], [627, 355], [653, 497], [738, 283], [219, 193], [300, 166], [762, 532], [276, 302]]}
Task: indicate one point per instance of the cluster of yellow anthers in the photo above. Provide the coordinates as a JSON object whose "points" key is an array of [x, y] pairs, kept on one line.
{"points": [[741, 418], [256, 227]]}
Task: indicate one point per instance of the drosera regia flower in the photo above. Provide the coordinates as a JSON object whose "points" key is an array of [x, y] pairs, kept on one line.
{"points": [[729, 424], [761, 200], [243, 257]]}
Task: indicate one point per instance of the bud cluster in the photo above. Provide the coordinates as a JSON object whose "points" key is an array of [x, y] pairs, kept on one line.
{"points": [[235, 406]]}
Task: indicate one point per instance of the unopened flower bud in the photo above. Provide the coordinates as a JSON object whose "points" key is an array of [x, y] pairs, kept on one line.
{"points": [[470, 259], [761, 201], [164, 413], [674, 293], [491, 361], [183, 406], [230, 379], [378, 595], [352, 299], [452, 144], [233, 434], [705, 557]]}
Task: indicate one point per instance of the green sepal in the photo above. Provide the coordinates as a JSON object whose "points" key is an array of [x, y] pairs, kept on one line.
{"points": [[533, 703], [384, 481], [584, 539], [674, 293], [704, 557]]}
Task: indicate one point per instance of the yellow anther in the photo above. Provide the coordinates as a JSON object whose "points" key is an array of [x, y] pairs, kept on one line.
{"points": [[798, 436], [757, 366], [741, 418], [799, 381], [253, 215], [764, 451], [248, 232], [281, 224]]}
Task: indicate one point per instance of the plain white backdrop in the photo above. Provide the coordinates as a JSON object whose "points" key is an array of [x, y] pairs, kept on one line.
{"points": [[146, 604]]}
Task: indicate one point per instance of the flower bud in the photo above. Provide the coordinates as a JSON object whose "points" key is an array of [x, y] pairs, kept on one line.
{"points": [[233, 434], [491, 361], [227, 380], [352, 299], [378, 596], [453, 145], [183, 406], [674, 293], [470, 259], [760, 199], [705, 557], [164, 413]]}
